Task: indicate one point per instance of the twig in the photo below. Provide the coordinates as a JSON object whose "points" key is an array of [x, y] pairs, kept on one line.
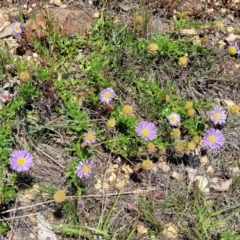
{"points": [[22, 216], [85, 196], [25, 207], [116, 193]]}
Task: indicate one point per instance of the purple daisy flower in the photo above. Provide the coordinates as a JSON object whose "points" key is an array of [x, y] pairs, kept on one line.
{"points": [[17, 28], [235, 44], [146, 130], [174, 119], [107, 95], [217, 115], [213, 139], [90, 137], [21, 160], [4, 238], [84, 169]]}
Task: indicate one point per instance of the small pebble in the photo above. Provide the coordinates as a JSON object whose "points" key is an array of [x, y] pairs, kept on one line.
{"points": [[230, 29], [63, 6], [210, 170], [35, 55], [32, 236], [223, 11], [29, 10], [57, 2]]}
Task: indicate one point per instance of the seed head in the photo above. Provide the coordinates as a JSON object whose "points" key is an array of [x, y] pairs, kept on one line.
{"points": [[191, 146], [183, 61], [166, 99], [161, 150], [197, 139], [234, 109], [138, 20], [191, 112], [147, 164], [179, 148], [111, 123], [153, 48], [59, 196], [176, 133], [188, 105], [24, 76], [127, 109], [219, 25], [150, 147]]}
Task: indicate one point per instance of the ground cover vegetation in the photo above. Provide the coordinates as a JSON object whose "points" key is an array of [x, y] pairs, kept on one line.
{"points": [[123, 97]]}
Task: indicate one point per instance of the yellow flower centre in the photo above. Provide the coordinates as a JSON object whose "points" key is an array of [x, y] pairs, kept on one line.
{"points": [[86, 169], [173, 118], [90, 136], [145, 132], [212, 139], [20, 161], [107, 95], [17, 27], [216, 116], [232, 50]]}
